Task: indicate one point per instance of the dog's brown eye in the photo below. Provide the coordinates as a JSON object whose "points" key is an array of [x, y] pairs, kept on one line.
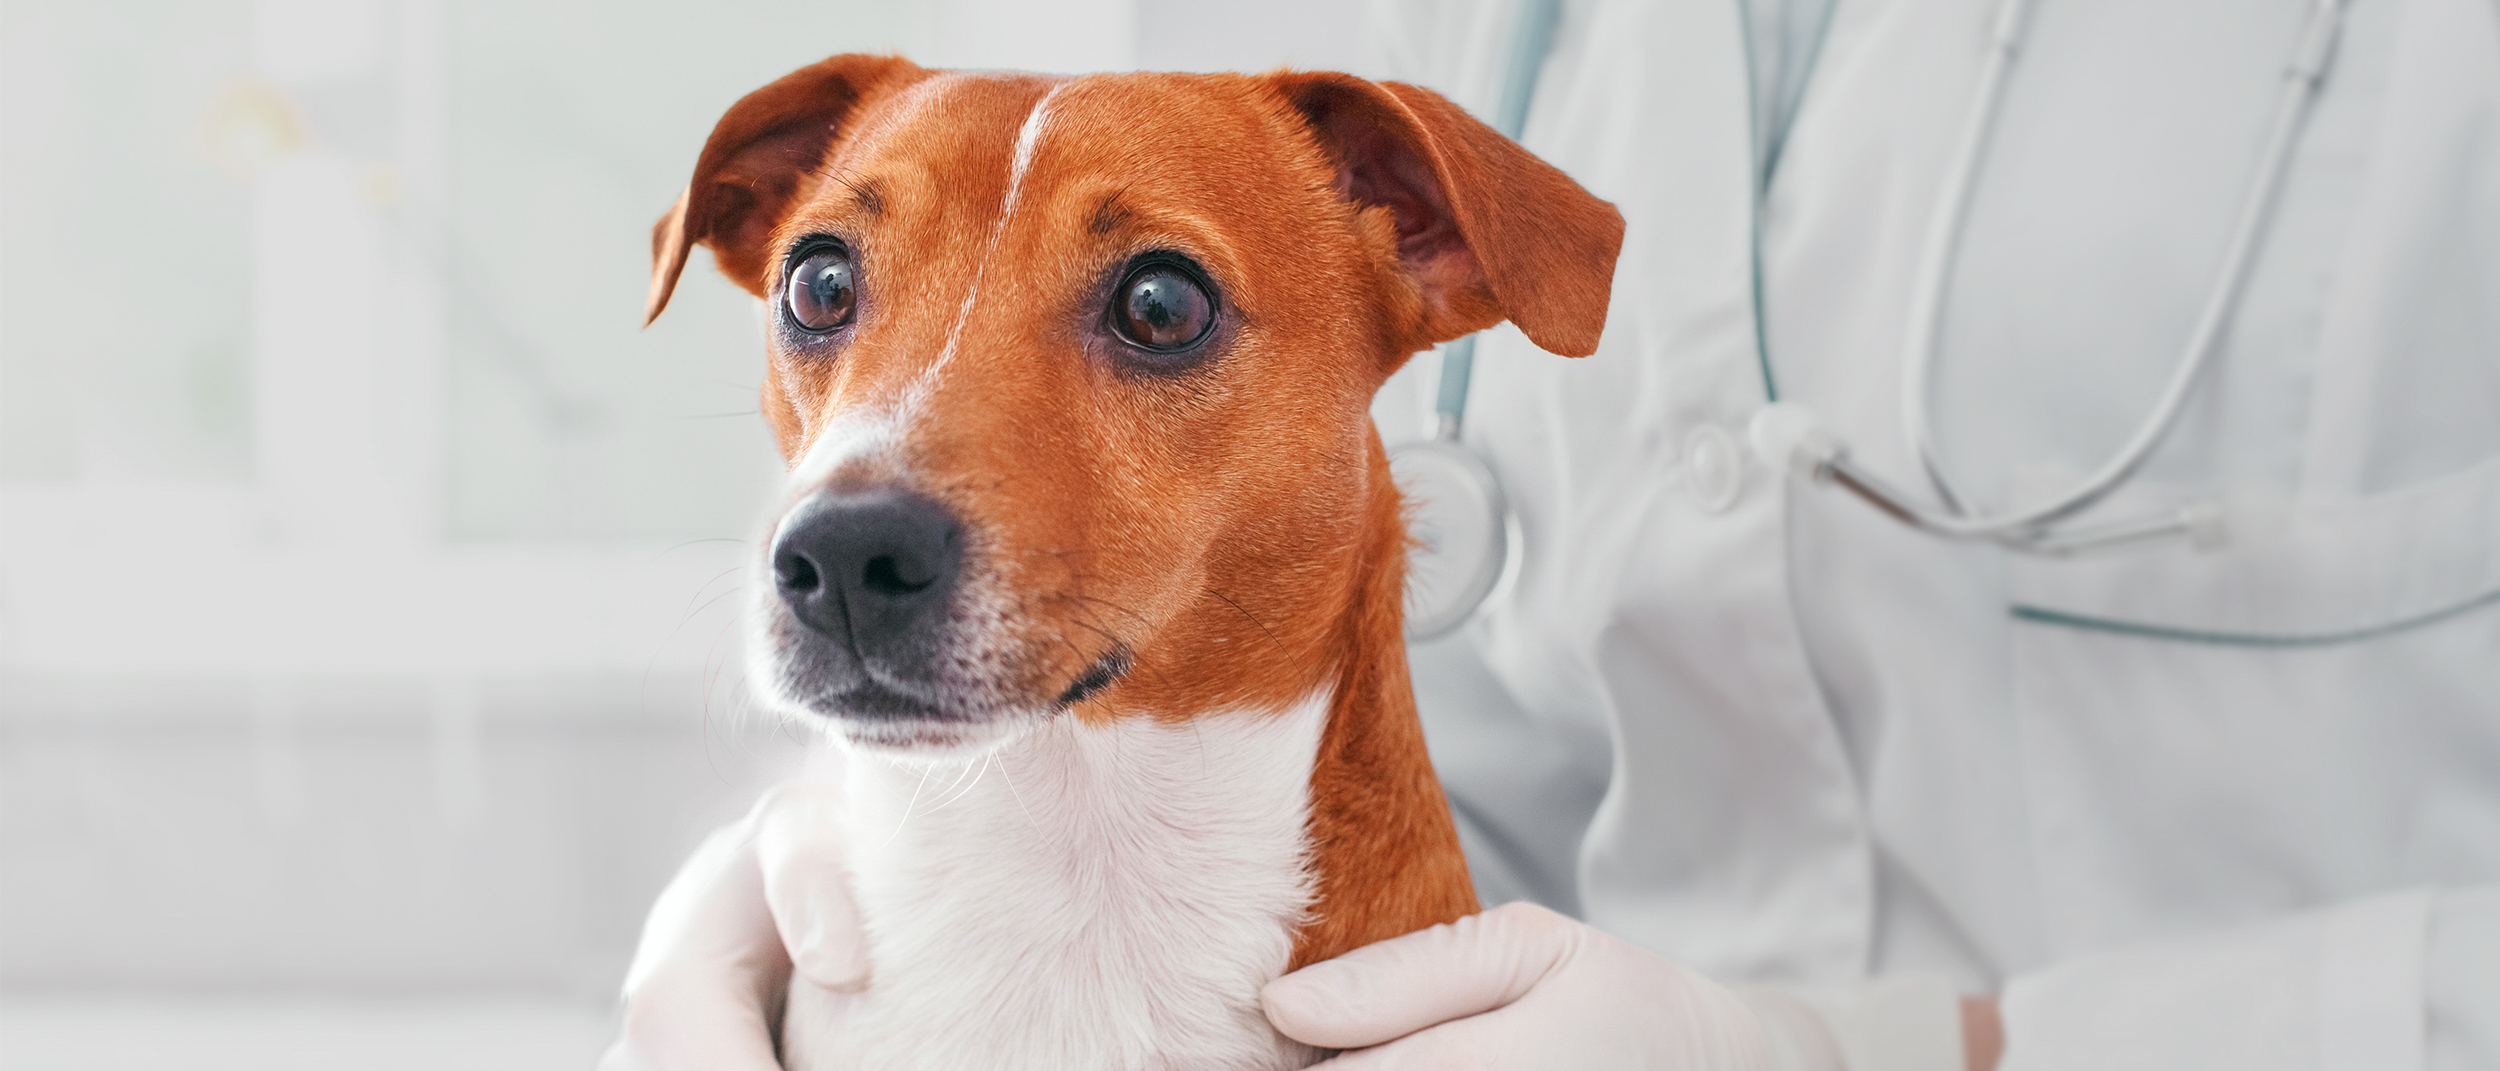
{"points": [[820, 294], [1161, 308]]}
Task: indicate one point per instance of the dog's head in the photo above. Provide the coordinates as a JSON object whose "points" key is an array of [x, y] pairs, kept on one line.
{"points": [[1072, 374]]}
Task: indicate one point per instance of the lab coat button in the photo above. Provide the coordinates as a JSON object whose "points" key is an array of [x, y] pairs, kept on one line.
{"points": [[1714, 471]]}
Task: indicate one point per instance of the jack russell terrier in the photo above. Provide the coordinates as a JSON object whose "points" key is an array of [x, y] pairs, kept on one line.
{"points": [[1089, 550]]}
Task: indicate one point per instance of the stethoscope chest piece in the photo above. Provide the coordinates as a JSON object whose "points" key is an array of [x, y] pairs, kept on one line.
{"points": [[1464, 539]]}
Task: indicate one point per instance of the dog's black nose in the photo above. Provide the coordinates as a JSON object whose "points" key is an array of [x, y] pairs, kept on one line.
{"points": [[867, 569]]}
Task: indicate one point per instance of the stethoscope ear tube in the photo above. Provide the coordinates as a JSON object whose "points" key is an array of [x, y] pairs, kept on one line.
{"points": [[1792, 440]]}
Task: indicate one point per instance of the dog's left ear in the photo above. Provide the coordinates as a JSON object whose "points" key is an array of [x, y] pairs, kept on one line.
{"points": [[1488, 231], [761, 158]]}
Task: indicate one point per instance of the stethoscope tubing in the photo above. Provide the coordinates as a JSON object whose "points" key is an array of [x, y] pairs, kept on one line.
{"points": [[1788, 436], [2025, 529]]}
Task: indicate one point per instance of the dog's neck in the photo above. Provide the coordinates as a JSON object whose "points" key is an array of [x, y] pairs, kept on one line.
{"points": [[1384, 850], [1167, 858], [1323, 613], [1093, 894]]}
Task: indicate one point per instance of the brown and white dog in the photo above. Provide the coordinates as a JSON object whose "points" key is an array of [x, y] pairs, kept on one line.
{"points": [[1089, 549]]}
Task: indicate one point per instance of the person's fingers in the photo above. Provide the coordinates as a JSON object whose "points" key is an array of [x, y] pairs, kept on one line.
{"points": [[681, 1023], [713, 911], [1795, 1036], [1477, 1041], [1396, 987], [709, 962], [799, 844], [1669, 1020]]}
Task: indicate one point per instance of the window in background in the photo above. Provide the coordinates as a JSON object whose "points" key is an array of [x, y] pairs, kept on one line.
{"points": [[125, 210], [572, 127]]}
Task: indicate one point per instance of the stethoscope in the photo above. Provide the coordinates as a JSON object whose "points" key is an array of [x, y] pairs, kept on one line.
{"points": [[1469, 538], [1787, 436]]}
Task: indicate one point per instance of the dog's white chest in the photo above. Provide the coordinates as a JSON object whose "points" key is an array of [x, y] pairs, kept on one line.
{"points": [[1093, 898]]}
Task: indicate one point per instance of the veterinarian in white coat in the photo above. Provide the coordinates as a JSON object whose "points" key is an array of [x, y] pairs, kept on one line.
{"points": [[2229, 801]]}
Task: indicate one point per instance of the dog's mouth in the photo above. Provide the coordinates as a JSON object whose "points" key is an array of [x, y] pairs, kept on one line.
{"points": [[888, 615], [1105, 672], [871, 713], [964, 685], [874, 701]]}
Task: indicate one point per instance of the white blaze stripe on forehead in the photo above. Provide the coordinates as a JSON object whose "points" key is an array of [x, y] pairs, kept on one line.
{"points": [[867, 434], [1027, 136]]}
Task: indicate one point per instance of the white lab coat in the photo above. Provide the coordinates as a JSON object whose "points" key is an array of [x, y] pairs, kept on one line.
{"points": [[2236, 808]]}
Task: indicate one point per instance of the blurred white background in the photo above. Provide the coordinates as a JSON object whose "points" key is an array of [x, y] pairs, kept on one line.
{"points": [[366, 575]]}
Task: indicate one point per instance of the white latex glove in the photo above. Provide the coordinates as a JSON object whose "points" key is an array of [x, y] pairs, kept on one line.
{"points": [[761, 895], [1517, 988]]}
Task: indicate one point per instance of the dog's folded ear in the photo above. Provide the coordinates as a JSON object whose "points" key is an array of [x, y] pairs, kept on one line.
{"points": [[762, 157], [1488, 231]]}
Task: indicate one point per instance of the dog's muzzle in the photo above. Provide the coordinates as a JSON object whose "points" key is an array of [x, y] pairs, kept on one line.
{"points": [[869, 578]]}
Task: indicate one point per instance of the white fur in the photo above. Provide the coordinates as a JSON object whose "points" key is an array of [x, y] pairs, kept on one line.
{"points": [[1098, 898], [856, 435]]}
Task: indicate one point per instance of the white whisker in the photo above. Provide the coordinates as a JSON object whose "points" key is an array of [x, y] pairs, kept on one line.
{"points": [[907, 806]]}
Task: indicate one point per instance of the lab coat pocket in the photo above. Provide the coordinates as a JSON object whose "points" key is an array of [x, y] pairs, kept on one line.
{"points": [[2307, 713]]}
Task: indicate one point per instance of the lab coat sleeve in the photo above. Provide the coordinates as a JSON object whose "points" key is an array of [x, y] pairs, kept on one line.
{"points": [[2463, 976], [2388, 983], [1901, 1022]]}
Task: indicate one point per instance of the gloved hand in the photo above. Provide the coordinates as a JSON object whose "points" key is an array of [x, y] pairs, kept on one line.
{"points": [[1517, 988], [762, 895]]}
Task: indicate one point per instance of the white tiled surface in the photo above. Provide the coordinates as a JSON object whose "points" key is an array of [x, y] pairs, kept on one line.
{"points": [[300, 1034], [172, 836]]}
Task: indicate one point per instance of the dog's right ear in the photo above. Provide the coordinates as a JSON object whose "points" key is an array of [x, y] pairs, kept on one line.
{"points": [[762, 157]]}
